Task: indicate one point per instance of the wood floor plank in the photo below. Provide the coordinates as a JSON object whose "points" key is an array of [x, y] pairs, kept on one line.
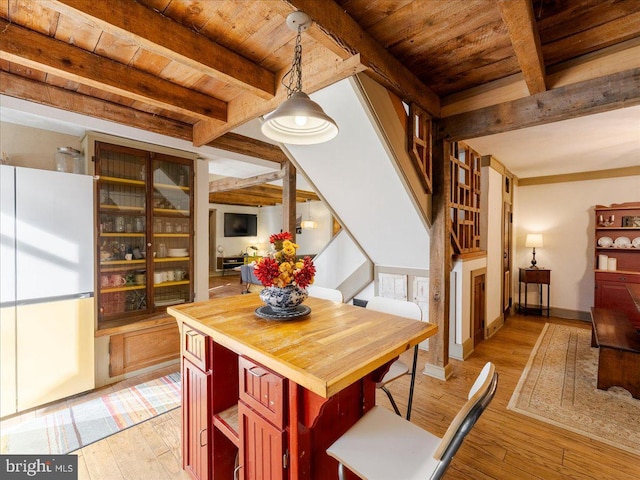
{"points": [[503, 445], [100, 462], [134, 456]]}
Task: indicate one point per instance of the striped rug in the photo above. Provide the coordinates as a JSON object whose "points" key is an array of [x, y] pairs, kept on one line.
{"points": [[86, 422]]}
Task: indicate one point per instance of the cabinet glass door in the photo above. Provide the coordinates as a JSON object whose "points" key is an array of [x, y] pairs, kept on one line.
{"points": [[122, 244], [172, 227]]}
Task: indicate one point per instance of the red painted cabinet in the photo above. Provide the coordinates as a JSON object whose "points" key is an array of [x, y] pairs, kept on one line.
{"points": [[261, 410], [196, 412]]}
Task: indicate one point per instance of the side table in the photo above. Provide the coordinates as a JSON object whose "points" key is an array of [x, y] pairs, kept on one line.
{"points": [[540, 277]]}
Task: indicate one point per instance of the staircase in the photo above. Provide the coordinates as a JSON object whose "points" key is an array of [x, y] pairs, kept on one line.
{"points": [[368, 184]]}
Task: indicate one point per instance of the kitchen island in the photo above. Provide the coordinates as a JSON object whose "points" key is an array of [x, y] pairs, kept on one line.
{"points": [[266, 398]]}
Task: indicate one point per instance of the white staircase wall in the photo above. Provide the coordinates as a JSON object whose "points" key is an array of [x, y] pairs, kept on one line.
{"points": [[356, 175]]}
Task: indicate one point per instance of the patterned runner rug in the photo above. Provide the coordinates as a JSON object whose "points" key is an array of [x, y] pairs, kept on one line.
{"points": [[74, 427], [558, 386]]}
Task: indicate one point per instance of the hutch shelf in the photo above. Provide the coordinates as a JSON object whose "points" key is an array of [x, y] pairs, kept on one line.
{"points": [[617, 257]]}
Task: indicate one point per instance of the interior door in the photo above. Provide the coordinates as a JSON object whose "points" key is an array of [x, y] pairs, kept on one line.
{"points": [[478, 307]]}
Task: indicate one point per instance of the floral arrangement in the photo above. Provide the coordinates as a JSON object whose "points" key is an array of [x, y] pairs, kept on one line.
{"points": [[282, 269]]}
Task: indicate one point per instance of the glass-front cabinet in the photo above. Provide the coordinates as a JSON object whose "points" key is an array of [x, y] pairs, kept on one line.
{"points": [[144, 209]]}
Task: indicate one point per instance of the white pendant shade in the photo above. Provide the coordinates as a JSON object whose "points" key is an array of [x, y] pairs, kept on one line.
{"points": [[308, 224], [299, 121]]}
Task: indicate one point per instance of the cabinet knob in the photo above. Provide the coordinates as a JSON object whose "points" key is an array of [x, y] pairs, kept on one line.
{"points": [[148, 244]]}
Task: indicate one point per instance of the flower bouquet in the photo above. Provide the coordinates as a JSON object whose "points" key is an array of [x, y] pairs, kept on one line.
{"points": [[284, 276]]}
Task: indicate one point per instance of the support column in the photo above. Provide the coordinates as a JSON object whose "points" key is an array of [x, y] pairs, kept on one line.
{"points": [[289, 199], [440, 264]]}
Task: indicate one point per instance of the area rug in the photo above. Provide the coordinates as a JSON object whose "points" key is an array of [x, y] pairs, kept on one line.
{"points": [[77, 426], [558, 386]]}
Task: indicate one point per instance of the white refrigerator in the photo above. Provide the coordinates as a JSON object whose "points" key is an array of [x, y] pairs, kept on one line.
{"points": [[46, 286]]}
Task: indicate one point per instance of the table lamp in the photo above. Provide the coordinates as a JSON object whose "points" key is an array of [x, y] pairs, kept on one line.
{"points": [[533, 240]]}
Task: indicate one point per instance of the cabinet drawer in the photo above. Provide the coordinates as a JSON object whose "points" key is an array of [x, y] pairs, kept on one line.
{"points": [[535, 276], [617, 277], [195, 347], [263, 391]]}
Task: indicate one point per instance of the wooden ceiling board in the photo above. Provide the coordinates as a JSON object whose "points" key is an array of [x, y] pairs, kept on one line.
{"points": [[368, 13], [33, 15], [79, 32]]}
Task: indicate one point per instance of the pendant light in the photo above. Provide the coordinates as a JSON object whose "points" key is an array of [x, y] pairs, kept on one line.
{"points": [[298, 120], [308, 224]]}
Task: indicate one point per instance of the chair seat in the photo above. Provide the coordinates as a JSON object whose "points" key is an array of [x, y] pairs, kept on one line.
{"points": [[396, 370], [384, 446]]}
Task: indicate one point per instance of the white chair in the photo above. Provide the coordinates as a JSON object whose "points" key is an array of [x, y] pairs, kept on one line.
{"points": [[325, 293], [384, 446], [398, 368]]}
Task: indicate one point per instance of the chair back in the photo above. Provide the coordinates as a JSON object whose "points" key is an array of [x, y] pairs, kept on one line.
{"points": [[401, 308], [325, 293], [480, 395]]}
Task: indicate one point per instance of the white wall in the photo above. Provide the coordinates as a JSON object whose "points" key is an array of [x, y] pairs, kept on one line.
{"points": [[310, 242], [492, 203], [563, 213], [33, 147]]}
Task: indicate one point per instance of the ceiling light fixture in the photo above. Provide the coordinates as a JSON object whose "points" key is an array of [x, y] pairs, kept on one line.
{"points": [[308, 224], [298, 120]]}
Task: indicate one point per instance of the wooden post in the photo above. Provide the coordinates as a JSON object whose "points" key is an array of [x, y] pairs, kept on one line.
{"points": [[289, 199], [440, 265]]}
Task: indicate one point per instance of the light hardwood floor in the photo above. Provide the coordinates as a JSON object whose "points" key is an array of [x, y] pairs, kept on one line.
{"points": [[502, 445]]}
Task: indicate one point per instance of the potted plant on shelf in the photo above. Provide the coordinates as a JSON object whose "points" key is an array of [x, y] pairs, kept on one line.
{"points": [[284, 276]]}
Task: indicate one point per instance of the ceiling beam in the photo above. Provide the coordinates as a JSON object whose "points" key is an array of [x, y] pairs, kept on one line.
{"points": [[523, 32], [233, 142], [34, 50], [598, 95], [163, 36], [38, 92], [319, 72], [259, 196], [226, 184], [341, 34]]}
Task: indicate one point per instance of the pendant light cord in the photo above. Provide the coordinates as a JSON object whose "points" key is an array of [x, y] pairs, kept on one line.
{"points": [[294, 75]]}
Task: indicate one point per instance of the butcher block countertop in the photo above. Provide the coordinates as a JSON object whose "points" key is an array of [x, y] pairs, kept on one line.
{"points": [[326, 351]]}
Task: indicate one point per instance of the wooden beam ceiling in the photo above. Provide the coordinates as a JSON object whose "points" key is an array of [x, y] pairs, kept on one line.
{"points": [[49, 55], [523, 31], [232, 142], [263, 195], [159, 34], [343, 35], [227, 184], [598, 95]]}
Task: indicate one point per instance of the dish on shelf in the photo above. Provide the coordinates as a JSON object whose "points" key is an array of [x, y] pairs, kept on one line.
{"points": [[167, 302], [605, 241], [177, 252], [636, 242], [622, 242]]}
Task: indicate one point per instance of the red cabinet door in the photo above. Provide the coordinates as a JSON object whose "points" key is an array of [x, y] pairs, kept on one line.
{"points": [[196, 415], [262, 447]]}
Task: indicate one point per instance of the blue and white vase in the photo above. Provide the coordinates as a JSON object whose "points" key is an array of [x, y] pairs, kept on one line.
{"points": [[283, 299]]}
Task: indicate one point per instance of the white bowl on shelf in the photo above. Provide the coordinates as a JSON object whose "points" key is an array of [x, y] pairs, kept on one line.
{"points": [[177, 252], [636, 242]]}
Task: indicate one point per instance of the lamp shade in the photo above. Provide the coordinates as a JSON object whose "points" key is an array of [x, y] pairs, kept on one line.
{"points": [[308, 224], [299, 121], [534, 240]]}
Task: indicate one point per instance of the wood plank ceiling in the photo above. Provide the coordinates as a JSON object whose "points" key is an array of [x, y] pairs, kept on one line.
{"points": [[197, 69]]}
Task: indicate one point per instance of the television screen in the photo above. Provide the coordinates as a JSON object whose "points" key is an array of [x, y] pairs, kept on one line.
{"points": [[240, 225]]}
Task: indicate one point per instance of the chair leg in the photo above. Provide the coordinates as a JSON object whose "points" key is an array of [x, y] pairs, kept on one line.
{"points": [[393, 402], [413, 381], [340, 471]]}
